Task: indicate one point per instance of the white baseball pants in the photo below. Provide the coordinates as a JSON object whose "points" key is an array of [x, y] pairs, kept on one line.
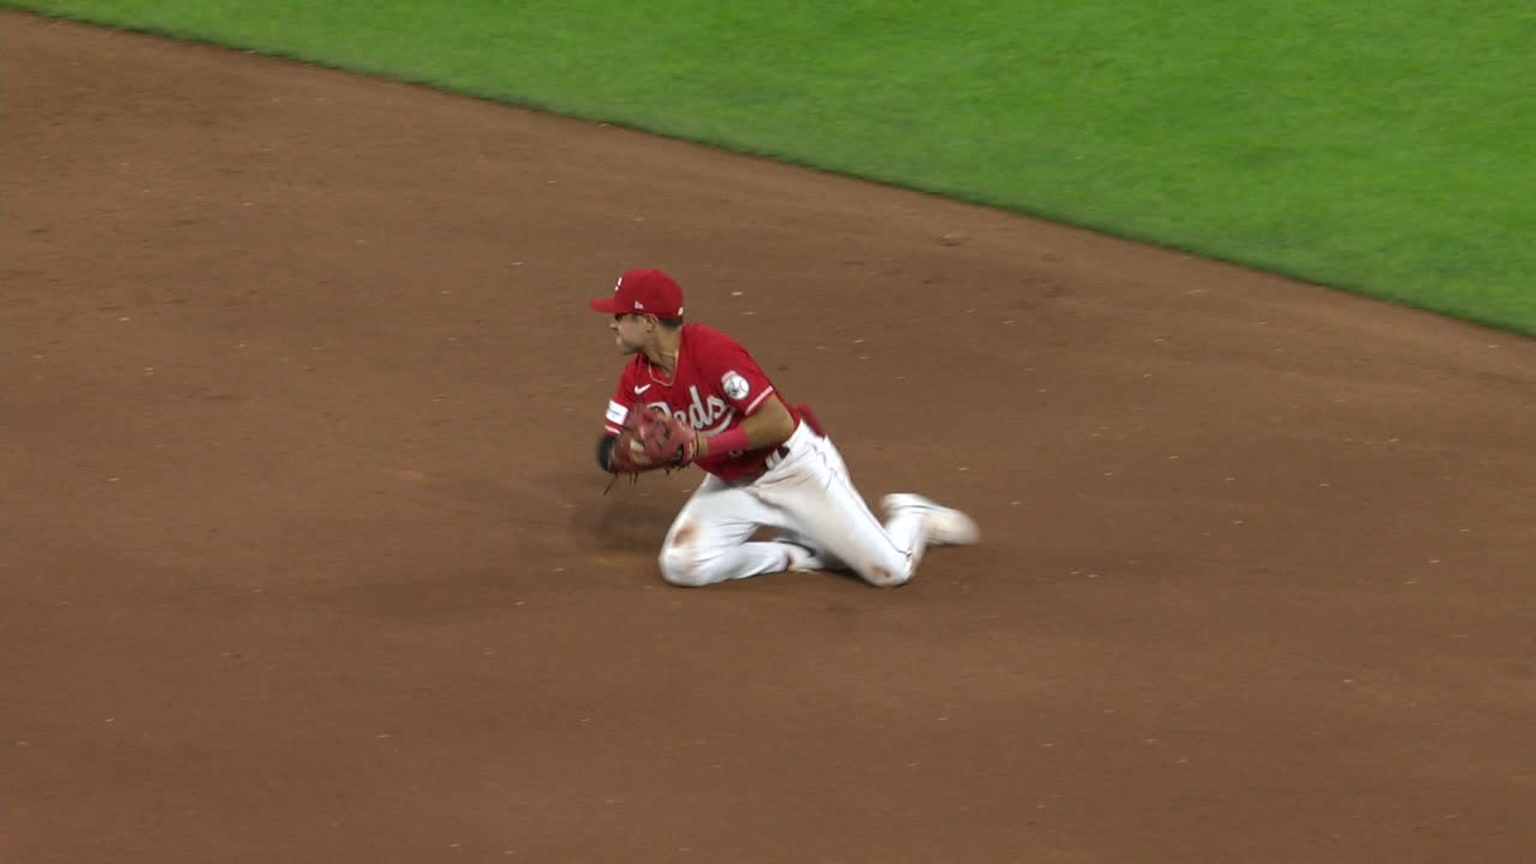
{"points": [[809, 499]]}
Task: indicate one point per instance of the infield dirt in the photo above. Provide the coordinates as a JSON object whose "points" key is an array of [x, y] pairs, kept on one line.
{"points": [[306, 558]]}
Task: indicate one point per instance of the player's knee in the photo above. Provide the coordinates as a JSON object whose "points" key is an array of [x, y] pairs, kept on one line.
{"points": [[684, 567], [887, 574], [883, 578]]}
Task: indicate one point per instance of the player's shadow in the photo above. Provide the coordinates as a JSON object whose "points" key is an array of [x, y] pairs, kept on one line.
{"points": [[627, 516]]}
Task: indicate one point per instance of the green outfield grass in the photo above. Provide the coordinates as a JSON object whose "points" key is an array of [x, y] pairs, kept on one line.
{"points": [[1382, 147]]}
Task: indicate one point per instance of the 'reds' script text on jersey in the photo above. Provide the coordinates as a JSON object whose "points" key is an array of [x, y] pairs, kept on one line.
{"points": [[716, 385]]}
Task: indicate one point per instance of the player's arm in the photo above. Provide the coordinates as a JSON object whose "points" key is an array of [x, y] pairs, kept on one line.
{"points": [[613, 421], [770, 424]]}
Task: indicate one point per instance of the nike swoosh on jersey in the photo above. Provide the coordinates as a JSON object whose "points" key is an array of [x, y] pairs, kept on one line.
{"points": [[642, 389]]}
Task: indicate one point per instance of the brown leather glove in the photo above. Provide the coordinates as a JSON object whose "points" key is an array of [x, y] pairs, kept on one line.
{"points": [[652, 438]]}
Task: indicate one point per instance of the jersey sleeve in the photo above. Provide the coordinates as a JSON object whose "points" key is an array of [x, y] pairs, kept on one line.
{"points": [[623, 400], [734, 375]]}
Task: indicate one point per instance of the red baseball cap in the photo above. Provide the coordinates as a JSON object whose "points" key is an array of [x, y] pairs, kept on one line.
{"points": [[651, 292]]}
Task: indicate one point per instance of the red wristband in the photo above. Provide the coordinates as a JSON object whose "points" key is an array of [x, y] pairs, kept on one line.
{"points": [[728, 441]]}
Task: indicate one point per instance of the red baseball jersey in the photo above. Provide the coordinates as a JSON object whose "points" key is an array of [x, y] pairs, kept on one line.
{"points": [[716, 385]]}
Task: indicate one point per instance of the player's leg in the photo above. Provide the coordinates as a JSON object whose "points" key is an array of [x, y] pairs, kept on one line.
{"points": [[940, 525], [812, 497], [791, 531], [818, 504], [710, 540], [814, 557]]}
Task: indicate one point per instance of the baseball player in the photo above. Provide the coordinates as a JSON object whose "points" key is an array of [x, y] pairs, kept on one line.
{"points": [[692, 395]]}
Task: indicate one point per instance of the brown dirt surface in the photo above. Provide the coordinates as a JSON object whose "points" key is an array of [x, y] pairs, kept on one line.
{"points": [[306, 558]]}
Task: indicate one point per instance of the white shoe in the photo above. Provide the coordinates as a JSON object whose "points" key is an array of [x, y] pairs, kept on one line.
{"points": [[800, 557], [944, 526]]}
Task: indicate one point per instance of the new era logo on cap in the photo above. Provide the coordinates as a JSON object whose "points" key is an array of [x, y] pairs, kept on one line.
{"points": [[643, 290]]}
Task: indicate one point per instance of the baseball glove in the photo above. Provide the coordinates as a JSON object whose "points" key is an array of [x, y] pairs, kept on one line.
{"points": [[652, 438]]}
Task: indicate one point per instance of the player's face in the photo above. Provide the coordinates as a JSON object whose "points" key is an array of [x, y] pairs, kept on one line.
{"points": [[631, 333]]}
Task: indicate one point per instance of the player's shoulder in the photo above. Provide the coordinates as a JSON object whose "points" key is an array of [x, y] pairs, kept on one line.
{"points": [[707, 338]]}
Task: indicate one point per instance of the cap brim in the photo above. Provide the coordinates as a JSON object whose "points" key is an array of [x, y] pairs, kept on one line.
{"points": [[606, 305]]}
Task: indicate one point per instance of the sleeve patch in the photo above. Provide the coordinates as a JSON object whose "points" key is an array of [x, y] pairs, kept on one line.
{"points": [[735, 386], [616, 414]]}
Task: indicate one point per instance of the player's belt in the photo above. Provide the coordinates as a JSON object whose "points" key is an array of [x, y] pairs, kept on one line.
{"points": [[779, 454]]}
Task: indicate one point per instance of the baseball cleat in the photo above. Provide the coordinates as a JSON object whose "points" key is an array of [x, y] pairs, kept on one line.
{"points": [[944, 526], [801, 558]]}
